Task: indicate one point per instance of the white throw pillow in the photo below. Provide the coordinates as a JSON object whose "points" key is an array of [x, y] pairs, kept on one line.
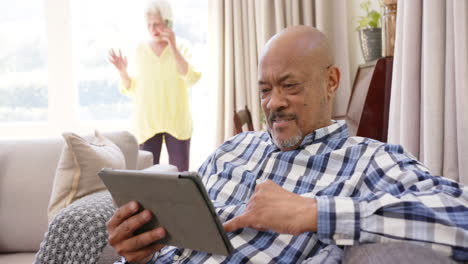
{"points": [[76, 173]]}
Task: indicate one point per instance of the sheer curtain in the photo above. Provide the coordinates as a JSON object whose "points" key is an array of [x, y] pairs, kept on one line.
{"points": [[239, 29], [429, 100]]}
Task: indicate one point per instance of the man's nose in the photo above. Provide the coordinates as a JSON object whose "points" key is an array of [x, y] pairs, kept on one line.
{"points": [[277, 101]]}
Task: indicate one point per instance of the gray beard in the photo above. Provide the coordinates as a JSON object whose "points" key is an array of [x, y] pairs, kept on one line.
{"points": [[288, 143]]}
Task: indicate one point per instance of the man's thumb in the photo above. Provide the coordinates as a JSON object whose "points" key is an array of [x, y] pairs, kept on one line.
{"points": [[233, 224]]}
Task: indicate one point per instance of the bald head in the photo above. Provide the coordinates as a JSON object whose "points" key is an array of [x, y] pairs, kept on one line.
{"points": [[305, 43], [297, 83]]}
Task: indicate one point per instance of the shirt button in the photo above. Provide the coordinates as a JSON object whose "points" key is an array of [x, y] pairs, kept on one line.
{"points": [[175, 257]]}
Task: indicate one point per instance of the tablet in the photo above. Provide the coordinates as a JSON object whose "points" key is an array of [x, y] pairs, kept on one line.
{"points": [[179, 203]]}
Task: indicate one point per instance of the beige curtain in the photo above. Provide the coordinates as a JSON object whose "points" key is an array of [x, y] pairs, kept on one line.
{"points": [[429, 101], [240, 28]]}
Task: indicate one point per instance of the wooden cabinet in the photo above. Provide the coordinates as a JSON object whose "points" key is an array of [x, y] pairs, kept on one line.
{"points": [[368, 109]]}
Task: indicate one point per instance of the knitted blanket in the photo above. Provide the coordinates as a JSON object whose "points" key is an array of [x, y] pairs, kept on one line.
{"points": [[78, 233]]}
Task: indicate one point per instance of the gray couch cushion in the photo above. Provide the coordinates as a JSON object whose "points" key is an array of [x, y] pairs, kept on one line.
{"points": [[391, 253], [17, 258], [27, 169]]}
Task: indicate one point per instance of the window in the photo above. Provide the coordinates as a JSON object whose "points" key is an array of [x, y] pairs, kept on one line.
{"points": [[54, 67], [119, 24], [23, 55], [97, 27]]}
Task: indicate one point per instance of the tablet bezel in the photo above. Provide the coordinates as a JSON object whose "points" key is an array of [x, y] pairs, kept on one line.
{"points": [[107, 176]]}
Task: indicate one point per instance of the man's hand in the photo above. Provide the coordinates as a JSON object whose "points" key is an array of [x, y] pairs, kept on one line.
{"points": [[122, 225], [273, 208]]}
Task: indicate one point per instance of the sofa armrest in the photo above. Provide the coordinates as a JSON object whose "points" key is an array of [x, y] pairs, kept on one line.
{"points": [[145, 159], [162, 168]]}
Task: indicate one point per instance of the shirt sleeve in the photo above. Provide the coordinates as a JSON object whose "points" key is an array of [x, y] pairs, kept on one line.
{"points": [[399, 200], [192, 76], [132, 66], [128, 91]]}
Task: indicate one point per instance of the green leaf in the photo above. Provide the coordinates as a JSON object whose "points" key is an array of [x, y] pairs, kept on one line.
{"points": [[365, 5], [371, 19], [364, 22], [374, 15]]}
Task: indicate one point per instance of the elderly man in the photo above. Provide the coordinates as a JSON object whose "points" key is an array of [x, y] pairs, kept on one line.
{"points": [[304, 189]]}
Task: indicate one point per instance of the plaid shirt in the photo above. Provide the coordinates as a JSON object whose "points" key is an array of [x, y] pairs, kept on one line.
{"points": [[366, 191]]}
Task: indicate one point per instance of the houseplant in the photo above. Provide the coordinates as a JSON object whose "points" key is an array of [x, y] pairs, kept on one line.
{"points": [[370, 32]]}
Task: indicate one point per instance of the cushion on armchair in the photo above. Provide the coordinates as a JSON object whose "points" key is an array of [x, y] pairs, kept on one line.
{"points": [[76, 174]]}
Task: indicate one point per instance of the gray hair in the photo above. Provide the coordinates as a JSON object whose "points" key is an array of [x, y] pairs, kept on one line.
{"points": [[161, 6]]}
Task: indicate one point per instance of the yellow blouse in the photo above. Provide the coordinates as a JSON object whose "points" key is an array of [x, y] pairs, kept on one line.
{"points": [[160, 94]]}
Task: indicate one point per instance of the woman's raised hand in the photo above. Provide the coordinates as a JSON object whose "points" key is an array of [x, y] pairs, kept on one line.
{"points": [[118, 60]]}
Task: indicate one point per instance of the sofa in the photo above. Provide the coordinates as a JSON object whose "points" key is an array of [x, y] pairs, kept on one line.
{"points": [[27, 169]]}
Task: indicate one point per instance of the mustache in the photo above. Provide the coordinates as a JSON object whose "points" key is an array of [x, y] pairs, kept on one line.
{"points": [[275, 115]]}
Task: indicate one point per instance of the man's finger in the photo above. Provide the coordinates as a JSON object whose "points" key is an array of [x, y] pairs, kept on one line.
{"points": [[236, 223], [122, 214], [143, 253], [141, 241], [128, 227]]}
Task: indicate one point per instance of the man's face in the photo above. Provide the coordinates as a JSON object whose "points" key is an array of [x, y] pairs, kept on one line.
{"points": [[293, 97]]}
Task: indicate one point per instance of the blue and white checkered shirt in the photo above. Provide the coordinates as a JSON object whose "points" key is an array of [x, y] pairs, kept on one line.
{"points": [[366, 191]]}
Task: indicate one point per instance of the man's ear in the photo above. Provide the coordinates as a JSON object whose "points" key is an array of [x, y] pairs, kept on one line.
{"points": [[333, 81]]}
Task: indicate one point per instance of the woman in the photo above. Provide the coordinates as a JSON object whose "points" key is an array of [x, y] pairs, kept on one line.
{"points": [[159, 87]]}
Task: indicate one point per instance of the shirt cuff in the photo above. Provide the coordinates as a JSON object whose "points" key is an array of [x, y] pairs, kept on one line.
{"points": [[124, 261], [338, 220], [191, 77], [128, 91]]}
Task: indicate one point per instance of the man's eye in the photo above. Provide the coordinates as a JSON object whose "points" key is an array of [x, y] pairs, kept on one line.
{"points": [[290, 85], [264, 92]]}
